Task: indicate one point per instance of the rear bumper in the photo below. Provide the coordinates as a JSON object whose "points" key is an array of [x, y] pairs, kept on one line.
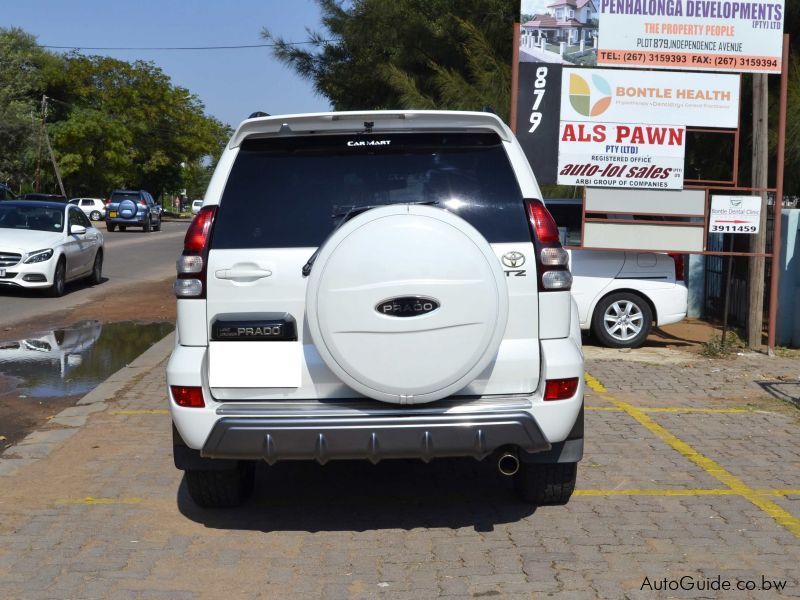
{"points": [[373, 438], [137, 220]]}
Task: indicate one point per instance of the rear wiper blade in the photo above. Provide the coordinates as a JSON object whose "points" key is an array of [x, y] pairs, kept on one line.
{"points": [[346, 215]]}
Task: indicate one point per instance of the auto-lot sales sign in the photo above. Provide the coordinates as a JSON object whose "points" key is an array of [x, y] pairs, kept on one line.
{"points": [[710, 35], [621, 155]]}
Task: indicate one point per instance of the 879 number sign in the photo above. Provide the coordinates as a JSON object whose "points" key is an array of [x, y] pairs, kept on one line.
{"points": [[539, 90]]}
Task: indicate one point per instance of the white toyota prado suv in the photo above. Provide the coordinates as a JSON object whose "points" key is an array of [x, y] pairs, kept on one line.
{"points": [[375, 285]]}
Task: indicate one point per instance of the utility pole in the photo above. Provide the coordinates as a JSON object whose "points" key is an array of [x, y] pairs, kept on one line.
{"points": [[758, 242], [50, 148], [36, 187]]}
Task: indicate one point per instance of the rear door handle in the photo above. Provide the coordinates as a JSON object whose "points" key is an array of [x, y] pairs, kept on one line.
{"points": [[250, 273]]}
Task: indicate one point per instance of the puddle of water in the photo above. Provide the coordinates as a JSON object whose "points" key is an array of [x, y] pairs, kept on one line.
{"points": [[74, 360]]}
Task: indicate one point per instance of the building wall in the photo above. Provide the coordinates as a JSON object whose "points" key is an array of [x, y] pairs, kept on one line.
{"points": [[787, 332]]}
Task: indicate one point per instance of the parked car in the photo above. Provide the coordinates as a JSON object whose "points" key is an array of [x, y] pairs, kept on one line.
{"points": [[94, 208], [196, 206], [620, 295], [410, 300], [44, 245], [132, 208], [45, 197], [6, 193]]}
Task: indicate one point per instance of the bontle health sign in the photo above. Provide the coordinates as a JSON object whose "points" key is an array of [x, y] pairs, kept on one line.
{"points": [[702, 35]]}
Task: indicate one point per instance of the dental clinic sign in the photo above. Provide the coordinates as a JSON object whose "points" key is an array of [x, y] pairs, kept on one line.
{"points": [[703, 35]]}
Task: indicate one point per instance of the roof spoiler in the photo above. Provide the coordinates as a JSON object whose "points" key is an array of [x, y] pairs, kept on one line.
{"points": [[373, 121]]}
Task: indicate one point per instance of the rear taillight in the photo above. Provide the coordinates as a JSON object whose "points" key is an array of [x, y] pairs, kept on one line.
{"points": [[679, 266], [552, 261], [188, 396], [560, 389], [542, 222], [193, 263]]}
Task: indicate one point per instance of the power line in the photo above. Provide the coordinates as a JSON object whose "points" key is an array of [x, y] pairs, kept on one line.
{"points": [[160, 48]]}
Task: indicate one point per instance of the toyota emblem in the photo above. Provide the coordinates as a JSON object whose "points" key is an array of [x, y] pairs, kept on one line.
{"points": [[513, 259]]}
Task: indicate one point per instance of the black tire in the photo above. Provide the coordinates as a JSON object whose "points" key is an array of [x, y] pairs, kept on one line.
{"points": [[157, 227], [615, 305], [110, 227], [546, 484], [147, 226], [97, 269], [94, 215], [59, 280], [123, 227], [221, 489]]}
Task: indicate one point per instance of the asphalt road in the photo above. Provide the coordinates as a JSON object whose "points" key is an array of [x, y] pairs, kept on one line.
{"points": [[131, 257]]}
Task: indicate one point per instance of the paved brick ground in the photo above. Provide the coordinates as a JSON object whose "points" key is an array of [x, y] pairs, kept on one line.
{"points": [[105, 515]]}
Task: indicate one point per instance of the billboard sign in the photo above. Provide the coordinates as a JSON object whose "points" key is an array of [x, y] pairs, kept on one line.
{"points": [[703, 35], [538, 106], [558, 32], [651, 97], [734, 214], [621, 155]]}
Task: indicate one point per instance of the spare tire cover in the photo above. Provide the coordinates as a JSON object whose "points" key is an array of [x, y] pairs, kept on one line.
{"points": [[127, 209], [407, 303]]}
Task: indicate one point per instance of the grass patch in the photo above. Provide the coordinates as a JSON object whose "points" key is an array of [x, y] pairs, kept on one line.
{"points": [[785, 352], [714, 347]]}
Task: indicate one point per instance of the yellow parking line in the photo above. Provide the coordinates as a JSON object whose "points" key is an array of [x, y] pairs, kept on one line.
{"points": [[681, 492], [606, 493], [675, 409], [90, 500], [778, 514], [594, 383], [143, 411]]}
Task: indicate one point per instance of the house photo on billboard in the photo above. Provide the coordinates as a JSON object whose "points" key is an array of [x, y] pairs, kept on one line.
{"points": [[559, 31]]}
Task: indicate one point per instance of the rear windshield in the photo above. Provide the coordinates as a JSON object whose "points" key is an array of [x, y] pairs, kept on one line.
{"points": [[120, 196], [284, 193]]}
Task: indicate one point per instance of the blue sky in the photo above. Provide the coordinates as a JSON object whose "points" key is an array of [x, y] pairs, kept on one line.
{"points": [[231, 83]]}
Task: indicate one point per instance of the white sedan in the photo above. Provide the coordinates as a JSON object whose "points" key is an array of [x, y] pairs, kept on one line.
{"points": [[46, 244], [620, 294]]}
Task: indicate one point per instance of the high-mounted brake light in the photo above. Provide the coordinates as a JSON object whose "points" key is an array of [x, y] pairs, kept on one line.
{"points": [[188, 396], [560, 389], [192, 264], [542, 222]]}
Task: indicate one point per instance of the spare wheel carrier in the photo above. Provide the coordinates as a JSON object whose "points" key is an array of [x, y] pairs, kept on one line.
{"points": [[392, 255]]}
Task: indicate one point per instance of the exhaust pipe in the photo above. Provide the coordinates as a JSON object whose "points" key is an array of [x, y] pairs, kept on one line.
{"points": [[508, 464]]}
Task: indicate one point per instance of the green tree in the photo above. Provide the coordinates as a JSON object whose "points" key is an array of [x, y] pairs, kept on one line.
{"points": [[112, 123], [445, 54], [26, 72], [127, 125]]}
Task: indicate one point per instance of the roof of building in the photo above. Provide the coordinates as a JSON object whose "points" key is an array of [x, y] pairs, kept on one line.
{"points": [[541, 21], [561, 3]]}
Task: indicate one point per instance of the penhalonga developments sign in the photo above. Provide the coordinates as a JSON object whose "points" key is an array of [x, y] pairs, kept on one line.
{"points": [[703, 35]]}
